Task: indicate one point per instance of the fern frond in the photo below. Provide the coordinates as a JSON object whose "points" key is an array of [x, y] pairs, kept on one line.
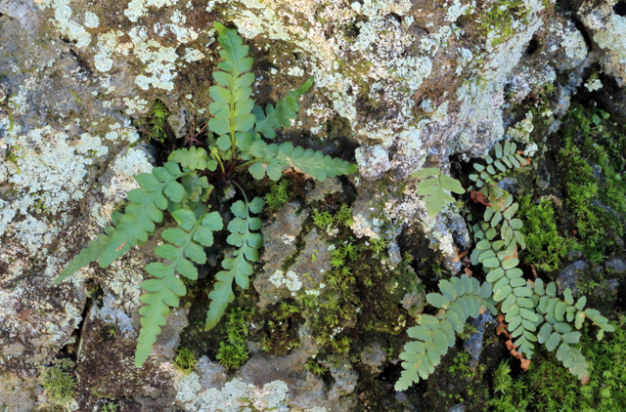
{"points": [[186, 242], [273, 159], [137, 223], [194, 158], [232, 106], [505, 159], [499, 260], [272, 118], [460, 298], [433, 189], [239, 266], [556, 332]]}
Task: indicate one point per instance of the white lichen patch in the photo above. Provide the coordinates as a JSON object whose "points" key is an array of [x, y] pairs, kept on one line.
{"points": [[521, 131], [290, 280], [235, 395], [64, 20], [137, 8], [48, 170], [159, 60]]}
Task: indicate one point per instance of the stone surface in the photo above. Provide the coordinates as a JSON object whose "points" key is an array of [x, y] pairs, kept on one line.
{"points": [[374, 356], [616, 265], [399, 85], [570, 275]]}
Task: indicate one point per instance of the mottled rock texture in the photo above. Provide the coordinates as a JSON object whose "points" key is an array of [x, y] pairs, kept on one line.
{"points": [[399, 85]]}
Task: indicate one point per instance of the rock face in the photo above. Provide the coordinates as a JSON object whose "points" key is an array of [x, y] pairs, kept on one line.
{"points": [[399, 85]]}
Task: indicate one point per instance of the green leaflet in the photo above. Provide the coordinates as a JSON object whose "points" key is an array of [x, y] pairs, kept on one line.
{"points": [[194, 230], [460, 298], [195, 158], [232, 105], [137, 223], [273, 159], [434, 189], [286, 109], [239, 266]]}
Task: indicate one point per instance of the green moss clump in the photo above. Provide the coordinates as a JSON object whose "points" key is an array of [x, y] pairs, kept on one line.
{"points": [[58, 381], [595, 194], [278, 195], [604, 391], [545, 246], [234, 353], [185, 360]]}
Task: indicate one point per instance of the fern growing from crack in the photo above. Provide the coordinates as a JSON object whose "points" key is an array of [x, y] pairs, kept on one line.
{"points": [[234, 142], [532, 311]]}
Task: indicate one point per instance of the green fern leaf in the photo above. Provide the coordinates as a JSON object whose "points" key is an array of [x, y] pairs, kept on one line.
{"points": [[460, 298], [194, 158], [239, 266], [136, 224], [286, 109], [232, 106], [273, 159], [165, 288], [433, 189]]}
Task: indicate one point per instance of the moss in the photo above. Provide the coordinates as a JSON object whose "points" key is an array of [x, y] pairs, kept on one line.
{"points": [[545, 245], [595, 194], [185, 360], [562, 391], [277, 195], [58, 381], [281, 328]]}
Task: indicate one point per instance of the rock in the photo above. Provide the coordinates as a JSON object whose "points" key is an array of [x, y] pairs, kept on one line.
{"points": [[571, 275], [279, 245], [18, 393], [607, 30], [474, 345], [374, 356], [415, 301], [323, 189], [345, 380], [305, 272], [616, 265], [457, 408], [373, 161]]}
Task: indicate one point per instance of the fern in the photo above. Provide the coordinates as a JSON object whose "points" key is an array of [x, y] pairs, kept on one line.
{"points": [[286, 110], [532, 311], [137, 223], [194, 158], [186, 195], [506, 158], [556, 332], [434, 189], [232, 106], [239, 266], [459, 299], [186, 242], [273, 159]]}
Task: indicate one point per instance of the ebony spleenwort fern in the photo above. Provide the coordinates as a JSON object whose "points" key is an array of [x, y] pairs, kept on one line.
{"points": [[532, 310], [234, 143], [459, 299]]}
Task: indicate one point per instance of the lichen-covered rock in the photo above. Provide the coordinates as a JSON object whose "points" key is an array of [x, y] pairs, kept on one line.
{"points": [[608, 31], [374, 356], [570, 275], [400, 85]]}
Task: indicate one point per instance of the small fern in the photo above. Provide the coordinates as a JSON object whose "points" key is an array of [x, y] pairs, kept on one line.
{"points": [[532, 311], [239, 127], [434, 189], [459, 299], [239, 266]]}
